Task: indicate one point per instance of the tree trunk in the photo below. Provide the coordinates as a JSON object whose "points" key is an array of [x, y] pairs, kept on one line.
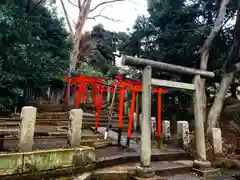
{"points": [[217, 105], [233, 57], [83, 15], [205, 53], [202, 91]]}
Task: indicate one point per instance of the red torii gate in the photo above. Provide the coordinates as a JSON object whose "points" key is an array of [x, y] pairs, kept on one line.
{"points": [[135, 86], [98, 87], [82, 94]]}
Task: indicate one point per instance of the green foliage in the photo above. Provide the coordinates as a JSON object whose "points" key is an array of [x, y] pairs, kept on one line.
{"points": [[103, 56], [33, 50], [89, 70], [175, 31]]}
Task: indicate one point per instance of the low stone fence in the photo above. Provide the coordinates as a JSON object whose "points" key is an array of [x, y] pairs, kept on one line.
{"points": [[29, 161]]}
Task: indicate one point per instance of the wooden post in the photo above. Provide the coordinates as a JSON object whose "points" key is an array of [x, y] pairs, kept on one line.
{"points": [[27, 127]]}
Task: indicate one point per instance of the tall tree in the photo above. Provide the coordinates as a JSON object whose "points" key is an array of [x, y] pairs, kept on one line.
{"points": [[176, 30], [229, 71], [33, 49], [204, 51], [84, 13]]}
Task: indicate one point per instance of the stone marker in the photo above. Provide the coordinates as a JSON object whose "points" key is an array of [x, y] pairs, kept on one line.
{"points": [[183, 133], [179, 127], [166, 130], [126, 108], [217, 141], [135, 121], [109, 95], [140, 121], [27, 127], [75, 127], [153, 126]]}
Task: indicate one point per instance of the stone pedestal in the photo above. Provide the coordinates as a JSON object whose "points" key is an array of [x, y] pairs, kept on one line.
{"points": [[75, 127], [144, 172], [152, 178], [203, 169], [27, 128]]}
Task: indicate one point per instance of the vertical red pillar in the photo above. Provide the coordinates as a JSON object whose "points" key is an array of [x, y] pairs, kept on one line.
{"points": [[159, 124]]}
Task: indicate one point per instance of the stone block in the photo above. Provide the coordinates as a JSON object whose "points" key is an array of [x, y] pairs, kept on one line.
{"points": [[152, 178], [135, 121], [11, 163], [84, 176], [75, 127], [27, 128], [179, 127], [145, 172], [217, 141], [46, 160], [207, 174], [126, 108], [183, 133], [201, 164], [166, 129], [153, 126], [140, 120]]}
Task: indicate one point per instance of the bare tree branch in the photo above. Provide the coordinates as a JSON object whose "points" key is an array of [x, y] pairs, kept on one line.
{"points": [[37, 4], [217, 25], [77, 6], [85, 3], [73, 22], [104, 3], [80, 4], [67, 17], [105, 17]]}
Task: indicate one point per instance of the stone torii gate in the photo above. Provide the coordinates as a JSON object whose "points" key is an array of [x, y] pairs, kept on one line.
{"points": [[145, 170]]}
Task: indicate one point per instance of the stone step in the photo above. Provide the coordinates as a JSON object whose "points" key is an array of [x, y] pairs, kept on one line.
{"points": [[96, 143], [65, 115], [161, 168], [61, 122], [104, 124]]}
